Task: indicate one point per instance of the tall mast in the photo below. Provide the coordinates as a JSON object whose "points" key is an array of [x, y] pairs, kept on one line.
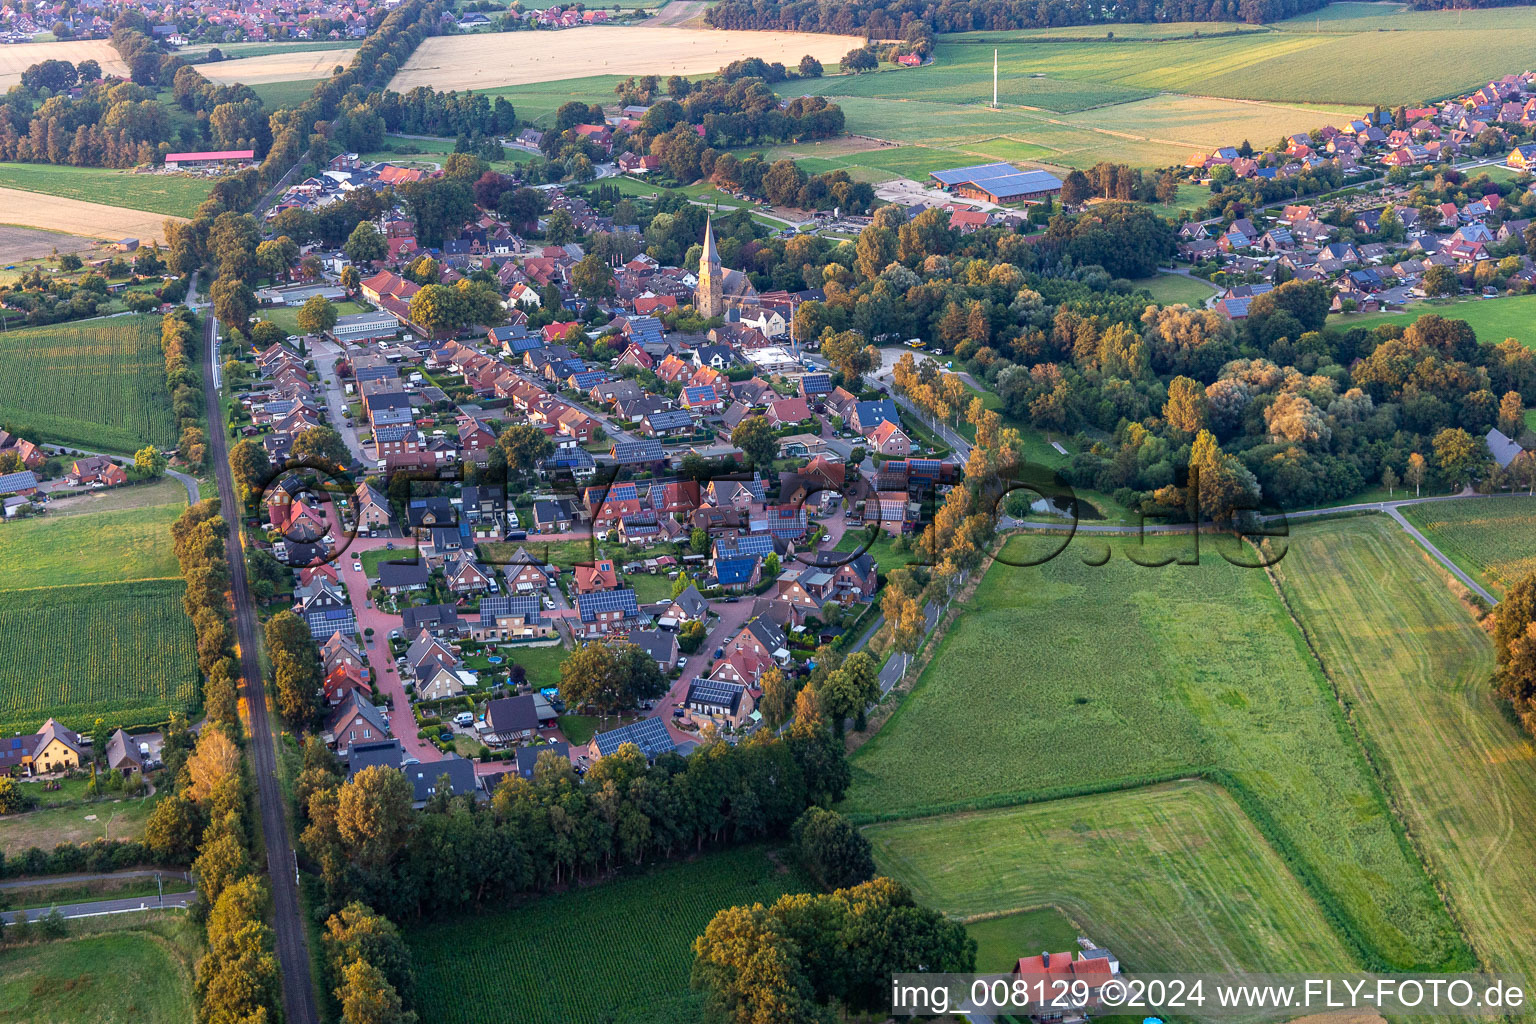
{"points": [[994, 77]]}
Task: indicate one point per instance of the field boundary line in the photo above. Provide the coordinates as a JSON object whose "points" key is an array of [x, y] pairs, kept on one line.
{"points": [[1374, 758], [100, 583]]}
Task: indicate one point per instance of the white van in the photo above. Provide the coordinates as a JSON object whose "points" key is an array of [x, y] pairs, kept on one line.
{"points": [[464, 718]]}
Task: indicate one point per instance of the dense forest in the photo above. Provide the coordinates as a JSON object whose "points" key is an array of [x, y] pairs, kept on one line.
{"points": [[883, 19]]}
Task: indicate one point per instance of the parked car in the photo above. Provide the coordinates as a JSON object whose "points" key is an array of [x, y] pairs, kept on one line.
{"points": [[682, 662], [464, 718]]}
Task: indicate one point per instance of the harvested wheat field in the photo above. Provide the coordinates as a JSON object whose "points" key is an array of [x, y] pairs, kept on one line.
{"points": [[277, 67], [75, 217], [519, 58], [17, 57]]}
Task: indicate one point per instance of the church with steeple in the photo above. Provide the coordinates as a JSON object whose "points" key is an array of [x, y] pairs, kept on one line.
{"points": [[719, 288]]}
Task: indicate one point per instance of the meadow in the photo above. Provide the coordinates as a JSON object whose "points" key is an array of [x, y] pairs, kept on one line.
{"points": [[1194, 884], [99, 384], [81, 822], [1510, 316], [1176, 289], [66, 550], [132, 969], [125, 651], [539, 957], [287, 317], [281, 95], [1414, 664], [1137, 675], [177, 195], [1492, 539], [1000, 940]]}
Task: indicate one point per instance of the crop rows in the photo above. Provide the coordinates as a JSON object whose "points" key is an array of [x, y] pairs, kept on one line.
{"points": [[619, 951], [1493, 539], [99, 384], [122, 651]]}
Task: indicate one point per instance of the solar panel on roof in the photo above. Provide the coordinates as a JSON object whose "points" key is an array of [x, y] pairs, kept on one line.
{"points": [[649, 734], [974, 173], [715, 691]]}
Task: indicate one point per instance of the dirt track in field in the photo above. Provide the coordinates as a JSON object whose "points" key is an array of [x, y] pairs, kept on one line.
{"points": [[17, 57], [277, 67], [72, 216], [521, 58]]}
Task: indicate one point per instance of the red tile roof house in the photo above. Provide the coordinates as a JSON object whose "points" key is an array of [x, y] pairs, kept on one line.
{"points": [[96, 471], [889, 439], [598, 576]]}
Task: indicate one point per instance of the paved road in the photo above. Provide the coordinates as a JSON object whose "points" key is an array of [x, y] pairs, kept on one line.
{"points": [[325, 354], [100, 908], [292, 946], [190, 483]]}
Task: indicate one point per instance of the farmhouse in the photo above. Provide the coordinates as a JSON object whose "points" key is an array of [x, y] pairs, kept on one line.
{"points": [[998, 183], [51, 748]]}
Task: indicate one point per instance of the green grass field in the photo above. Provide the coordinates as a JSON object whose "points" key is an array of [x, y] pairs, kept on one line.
{"points": [[99, 384], [1195, 886], [101, 547], [116, 818], [125, 651], [1068, 677], [1492, 539], [1000, 941], [279, 95], [615, 952], [175, 194], [1511, 316], [135, 969], [287, 317], [1172, 289], [1414, 665]]}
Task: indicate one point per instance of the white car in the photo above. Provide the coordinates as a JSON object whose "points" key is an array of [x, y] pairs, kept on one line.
{"points": [[682, 662], [464, 718]]}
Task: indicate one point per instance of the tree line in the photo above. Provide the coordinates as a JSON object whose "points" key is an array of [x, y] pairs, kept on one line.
{"points": [[556, 828], [882, 19], [178, 341]]}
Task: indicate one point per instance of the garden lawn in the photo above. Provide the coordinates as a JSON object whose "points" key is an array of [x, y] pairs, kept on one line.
{"points": [[881, 549], [98, 547], [1069, 677], [98, 384], [615, 952], [1195, 887], [999, 940], [134, 969], [1414, 664], [1492, 539], [1510, 316], [541, 663], [123, 651], [82, 822], [176, 194]]}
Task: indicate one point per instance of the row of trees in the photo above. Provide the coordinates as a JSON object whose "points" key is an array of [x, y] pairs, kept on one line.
{"points": [[556, 827], [886, 19], [295, 669], [178, 341]]}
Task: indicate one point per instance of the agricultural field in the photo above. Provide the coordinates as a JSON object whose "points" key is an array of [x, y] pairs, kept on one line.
{"points": [[1510, 316], [1195, 885], [1208, 673], [1492, 539], [99, 384], [121, 650], [16, 59], [281, 95], [285, 65], [1414, 664], [489, 60], [236, 51], [176, 195], [132, 969], [67, 550], [21, 244], [77, 217], [539, 957]]}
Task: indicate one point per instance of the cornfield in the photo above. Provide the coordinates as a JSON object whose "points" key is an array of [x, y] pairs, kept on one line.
{"points": [[618, 951], [99, 384], [125, 652], [1493, 539]]}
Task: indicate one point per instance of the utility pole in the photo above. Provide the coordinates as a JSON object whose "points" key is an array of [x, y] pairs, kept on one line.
{"points": [[994, 78]]}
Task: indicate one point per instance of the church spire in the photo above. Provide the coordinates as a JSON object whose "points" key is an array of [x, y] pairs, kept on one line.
{"points": [[711, 255]]}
